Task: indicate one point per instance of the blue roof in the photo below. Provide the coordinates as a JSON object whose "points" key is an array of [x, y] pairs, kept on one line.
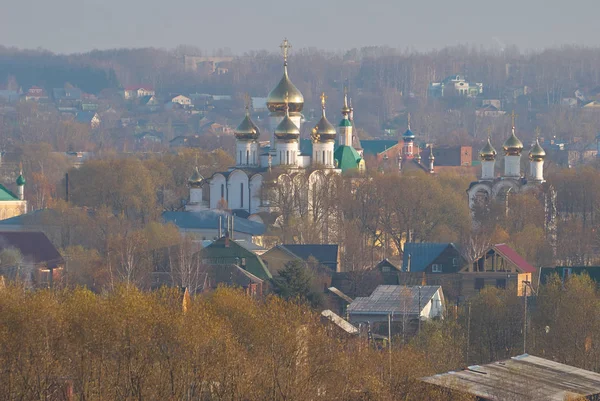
{"points": [[85, 116], [422, 254], [209, 219]]}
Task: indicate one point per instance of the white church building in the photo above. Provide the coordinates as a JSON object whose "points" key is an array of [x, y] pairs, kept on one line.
{"points": [[244, 187], [513, 180]]}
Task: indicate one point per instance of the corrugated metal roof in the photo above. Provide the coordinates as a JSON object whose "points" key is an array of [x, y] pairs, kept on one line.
{"points": [[515, 258], [338, 321], [422, 254], [209, 219], [372, 147], [524, 377], [394, 299], [340, 294], [34, 246]]}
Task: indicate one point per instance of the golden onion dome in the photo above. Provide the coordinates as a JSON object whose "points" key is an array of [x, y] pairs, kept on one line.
{"points": [[488, 152], [287, 130], [247, 130], [324, 131], [196, 180], [537, 153], [512, 146], [276, 98]]}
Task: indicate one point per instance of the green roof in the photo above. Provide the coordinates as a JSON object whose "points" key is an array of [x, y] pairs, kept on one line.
{"points": [[373, 147], [347, 158], [20, 180], [345, 123], [6, 195], [218, 253]]}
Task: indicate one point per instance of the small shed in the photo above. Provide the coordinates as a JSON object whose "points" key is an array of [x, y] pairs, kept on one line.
{"points": [[524, 377]]}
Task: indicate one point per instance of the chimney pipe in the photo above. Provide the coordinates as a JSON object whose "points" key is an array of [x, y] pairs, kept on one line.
{"points": [[408, 263]]}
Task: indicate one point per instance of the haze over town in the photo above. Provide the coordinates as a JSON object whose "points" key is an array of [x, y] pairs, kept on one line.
{"points": [[68, 26], [345, 201]]}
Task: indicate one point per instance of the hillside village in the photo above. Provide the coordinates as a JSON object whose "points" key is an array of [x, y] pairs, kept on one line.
{"points": [[460, 222]]}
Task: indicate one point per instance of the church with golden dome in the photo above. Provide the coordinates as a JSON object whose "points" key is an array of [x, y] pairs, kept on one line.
{"points": [[261, 171], [493, 187]]}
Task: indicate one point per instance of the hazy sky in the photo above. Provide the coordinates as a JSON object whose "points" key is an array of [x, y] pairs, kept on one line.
{"points": [[82, 25]]}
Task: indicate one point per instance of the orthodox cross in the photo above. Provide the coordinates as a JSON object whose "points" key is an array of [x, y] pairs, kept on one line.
{"points": [[285, 48], [513, 116], [247, 102], [323, 100], [409, 121]]}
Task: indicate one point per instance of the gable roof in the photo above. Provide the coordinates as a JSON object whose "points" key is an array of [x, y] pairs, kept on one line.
{"points": [[208, 219], [225, 251], [396, 299], [6, 195], [340, 294], [85, 116], [325, 254], [34, 246], [376, 146], [515, 258], [385, 262], [422, 254]]}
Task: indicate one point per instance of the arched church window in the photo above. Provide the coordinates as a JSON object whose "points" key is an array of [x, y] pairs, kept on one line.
{"points": [[222, 191], [241, 194], [247, 157]]}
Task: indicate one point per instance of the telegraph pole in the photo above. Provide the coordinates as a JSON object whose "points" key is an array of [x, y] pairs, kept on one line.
{"points": [[525, 317]]}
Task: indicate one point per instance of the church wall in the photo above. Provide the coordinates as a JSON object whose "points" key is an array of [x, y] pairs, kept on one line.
{"points": [[218, 190], [237, 185], [255, 193]]}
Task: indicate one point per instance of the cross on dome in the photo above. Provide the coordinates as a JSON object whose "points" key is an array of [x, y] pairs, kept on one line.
{"points": [[285, 48]]}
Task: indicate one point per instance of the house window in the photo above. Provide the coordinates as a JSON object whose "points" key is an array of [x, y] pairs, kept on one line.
{"points": [[479, 283], [566, 273], [241, 195], [454, 262], [385, 269], [436, 268], [501, 283]]}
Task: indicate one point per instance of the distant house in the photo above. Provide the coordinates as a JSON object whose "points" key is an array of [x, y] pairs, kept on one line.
{"points": [[224, 251], [385, 266], [380, 148], [67, 94], [37, 261], [90, 118], [397, 303], [455, 156], [455, 85], [35, 94], [500, 266], [182, 100], [430, 257], [9, 96], [185, 141], [524, 377], [564, 272], [489, 110], [325, 255], [149, 137], [137, 91], [233, 276], [210, 224]]}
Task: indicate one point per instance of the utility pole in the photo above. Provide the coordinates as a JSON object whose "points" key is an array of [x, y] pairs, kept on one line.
{"points": [[419, 311], [468, 332], [525, 317], [390, 344]]}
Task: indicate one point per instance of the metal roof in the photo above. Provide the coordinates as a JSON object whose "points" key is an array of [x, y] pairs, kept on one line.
{"points": [[338, 321], [515, 258], [422, 254], [524, 377], [325, 254], [394, 299], [208, 219]]}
